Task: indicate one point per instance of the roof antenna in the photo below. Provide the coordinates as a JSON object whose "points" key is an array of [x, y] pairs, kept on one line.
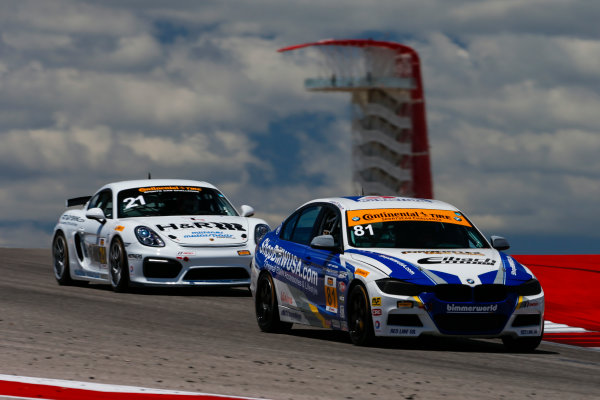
{"points": [[149, 175]]}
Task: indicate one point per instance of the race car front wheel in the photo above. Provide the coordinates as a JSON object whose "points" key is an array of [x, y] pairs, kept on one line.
{"points": [[60, 258], [267, 312], [119, 274], [360, 322]]}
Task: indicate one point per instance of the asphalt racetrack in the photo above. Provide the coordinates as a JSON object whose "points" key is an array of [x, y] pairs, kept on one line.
{"points": [[208, 341]]}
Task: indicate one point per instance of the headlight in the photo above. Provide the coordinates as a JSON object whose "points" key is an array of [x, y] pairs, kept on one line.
{"points": [[260, 231], [148, 237], [398, 287], [529, 288]]}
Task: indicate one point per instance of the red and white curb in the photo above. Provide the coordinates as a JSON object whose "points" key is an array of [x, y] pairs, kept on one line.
{"points": [[20, 387], [574, 336]]}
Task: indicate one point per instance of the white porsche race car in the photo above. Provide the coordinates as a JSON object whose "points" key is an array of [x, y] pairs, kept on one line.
{"points": [[155, 233], [394, 266]]}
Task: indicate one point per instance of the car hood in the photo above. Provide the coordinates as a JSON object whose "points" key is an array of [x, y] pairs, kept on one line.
{"points": [[427, 267], [211, 230]]}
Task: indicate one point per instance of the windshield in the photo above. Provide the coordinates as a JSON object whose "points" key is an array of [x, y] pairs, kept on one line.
{"points": [[172, 200], [412, 229]]}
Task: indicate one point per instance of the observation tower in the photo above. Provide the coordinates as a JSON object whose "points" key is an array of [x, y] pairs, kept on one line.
{"points": [[390, 148]]}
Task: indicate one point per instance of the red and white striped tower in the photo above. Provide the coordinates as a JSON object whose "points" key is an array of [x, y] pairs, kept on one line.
{"points": [[390, 146]]}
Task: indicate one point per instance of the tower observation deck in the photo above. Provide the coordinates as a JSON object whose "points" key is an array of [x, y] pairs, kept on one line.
{"points": [[390, 148]]}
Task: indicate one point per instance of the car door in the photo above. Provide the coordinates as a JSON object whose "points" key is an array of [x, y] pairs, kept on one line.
{"points": [[300, 279], [333, 278], [94, 235]]}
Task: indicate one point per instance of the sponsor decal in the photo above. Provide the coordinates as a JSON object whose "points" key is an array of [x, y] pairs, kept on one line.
{"points": [[342, 287], [291, 314], [170, 189], [377, 325], [400, 263], [244, 252], [458, 252], [342, 313], [119, 228], [286, 298], [186, 253], [331, 303], [513, 267], [401, 214], [134, 256], [71, 218], [376, 302], [527, 303], [458, 308], [377, 311], [224, 226], [344, 326], [396, 331], [209, 234], [529, 332], [362, 272], [291, 266], [470, 281], [131, 270], [390, 198], [335, 323], [456, 260]]}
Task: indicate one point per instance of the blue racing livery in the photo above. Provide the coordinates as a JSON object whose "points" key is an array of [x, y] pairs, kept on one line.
{"points": [[391, 266]]}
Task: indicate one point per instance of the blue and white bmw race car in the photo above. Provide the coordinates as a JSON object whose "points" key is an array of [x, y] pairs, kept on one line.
{"points": [[155, 233], [396, 267]]}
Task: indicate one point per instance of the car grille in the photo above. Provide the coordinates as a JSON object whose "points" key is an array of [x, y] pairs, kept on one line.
{"points": [[470, 323], [217, 274], [488, 293], [161, 268]]}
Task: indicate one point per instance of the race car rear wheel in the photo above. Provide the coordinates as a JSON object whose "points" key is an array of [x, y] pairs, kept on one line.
{"points": [[360, 322], [523, 344], [60, 258], [267, 312], [119, 274]]}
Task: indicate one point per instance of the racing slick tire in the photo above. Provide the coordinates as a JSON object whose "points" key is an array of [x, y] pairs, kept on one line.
{"points": [[60, 259], [118, 271], [522, 345], [267, 312], [360, 322]]}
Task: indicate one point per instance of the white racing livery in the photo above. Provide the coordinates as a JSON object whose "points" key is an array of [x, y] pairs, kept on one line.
{"points": [[155, 232], [396, 267]]}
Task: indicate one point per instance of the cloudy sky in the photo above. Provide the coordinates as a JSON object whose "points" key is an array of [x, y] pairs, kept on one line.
{"points": [[99, 91]]}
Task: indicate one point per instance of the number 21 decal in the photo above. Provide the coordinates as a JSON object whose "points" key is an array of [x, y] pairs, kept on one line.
{"points": [[132, 201]]}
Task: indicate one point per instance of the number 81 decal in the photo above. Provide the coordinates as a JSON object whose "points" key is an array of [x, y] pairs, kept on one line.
{"points": [[359, 230]]}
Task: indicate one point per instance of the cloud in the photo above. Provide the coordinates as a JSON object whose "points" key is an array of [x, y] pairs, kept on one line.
{"points": [[99, 91]]}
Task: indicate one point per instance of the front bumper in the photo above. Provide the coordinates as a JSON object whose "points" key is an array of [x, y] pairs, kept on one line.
{"points": [[427, 314], [189, 266]]}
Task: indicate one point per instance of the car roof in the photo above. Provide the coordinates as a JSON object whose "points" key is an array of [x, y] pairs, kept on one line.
{"points": [[376, 202], [122, 185]]}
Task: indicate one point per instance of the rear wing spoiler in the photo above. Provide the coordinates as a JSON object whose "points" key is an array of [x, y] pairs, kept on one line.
{"points": [[77, 201]]}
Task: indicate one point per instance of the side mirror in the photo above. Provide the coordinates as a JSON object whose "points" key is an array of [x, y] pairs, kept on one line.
{"points": [[499, 243], [247, 211], [323, 242], [96, 214]]}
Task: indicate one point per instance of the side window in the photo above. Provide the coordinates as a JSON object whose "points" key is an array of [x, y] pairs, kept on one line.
{"points": [[330, 224], [288, 227], [103, 200], [306, 223]]}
